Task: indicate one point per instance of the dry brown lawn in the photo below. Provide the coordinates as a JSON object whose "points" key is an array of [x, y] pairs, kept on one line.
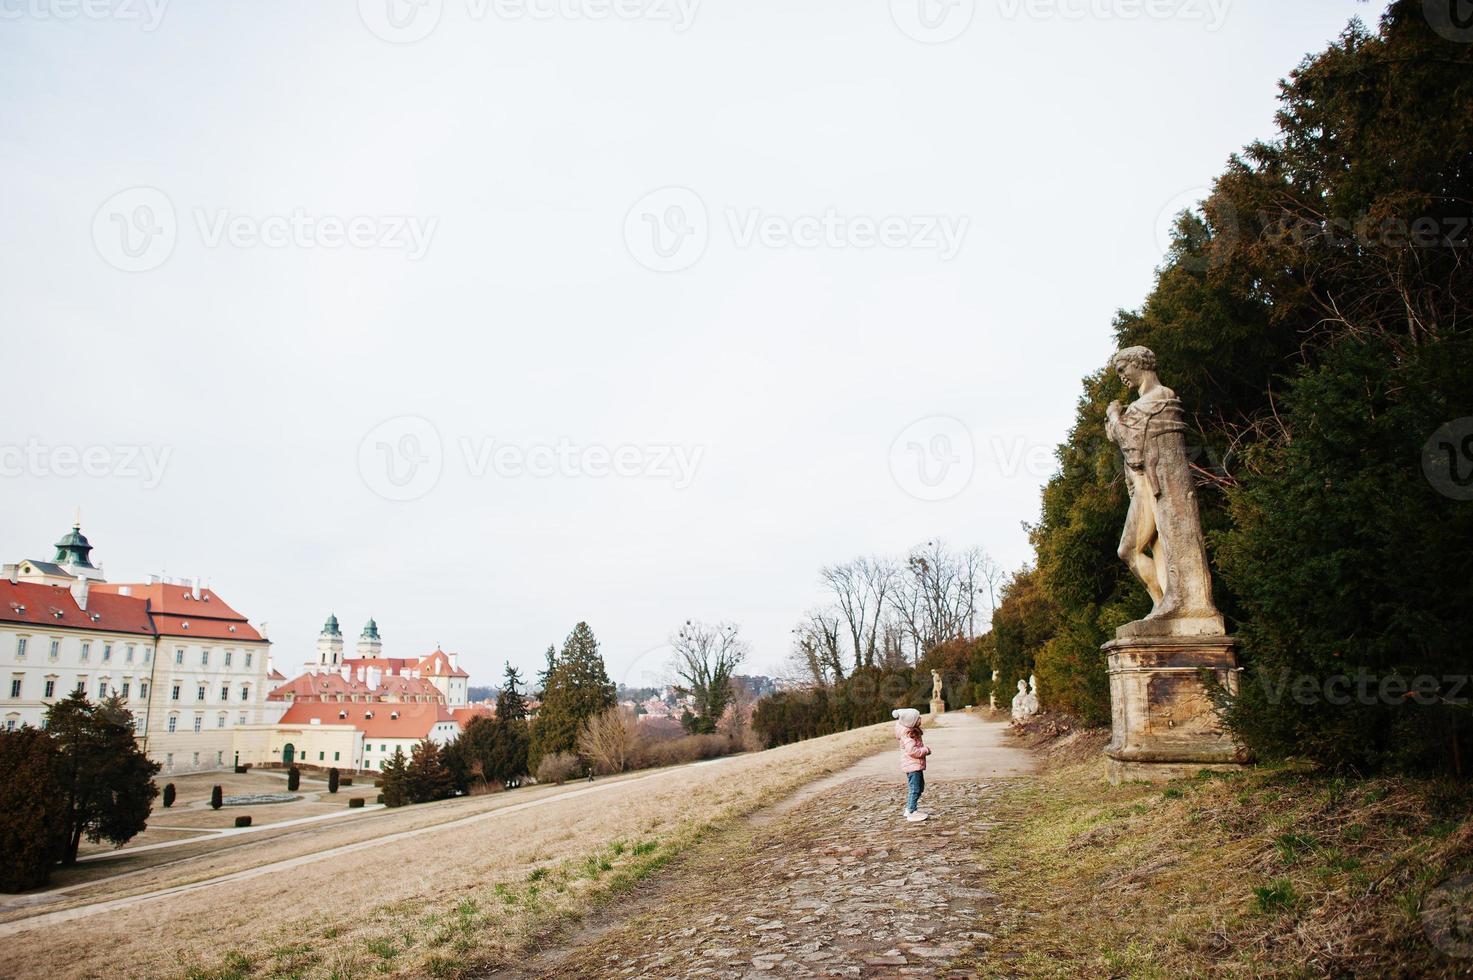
{"points": [[441, 901]]}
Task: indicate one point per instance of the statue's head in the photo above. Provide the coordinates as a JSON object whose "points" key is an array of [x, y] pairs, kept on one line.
{"points": [[1022, 687], [1133, 362]]}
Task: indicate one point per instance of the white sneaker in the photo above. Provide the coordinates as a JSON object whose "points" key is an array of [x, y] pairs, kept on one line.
{"points": [[917, 816]]}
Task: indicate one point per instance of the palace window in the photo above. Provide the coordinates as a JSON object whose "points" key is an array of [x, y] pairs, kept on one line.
{"points": [[20, 647], [147, 654], [220, 721], [173, 725], [245, 692], [107, 652], [200, 693], [198, 724], [242, 720], [174, 694], [143, 690], [15, 687], [126, 685], [204, 658], [82, 685], [224, 692], [86, 652], [101, 690], [55, 649], [50, 688], [138, 724], [248, 658], [179, 656], [169, 759], [229, 654], [128, 654]]}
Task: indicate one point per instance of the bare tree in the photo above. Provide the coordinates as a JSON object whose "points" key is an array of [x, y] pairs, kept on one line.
{"points": [[817, 643], [706, 657], [609, 740], [860, 589]]}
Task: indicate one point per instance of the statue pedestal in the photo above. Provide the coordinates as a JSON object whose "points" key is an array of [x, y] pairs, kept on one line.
{"points": [[938, 706], [1163, 726]]}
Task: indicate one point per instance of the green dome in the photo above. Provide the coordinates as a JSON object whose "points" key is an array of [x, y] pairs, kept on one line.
{"points": [[370, 632], [73, 549], [330, 628]]}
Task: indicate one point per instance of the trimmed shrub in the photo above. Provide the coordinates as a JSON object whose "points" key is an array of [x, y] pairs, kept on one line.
{"points": [[346, 781], [355, 803], [31, 808], [379, 798], [333, 779], [170, 794], [242, 821], [217, 798], [558, 767], [240, 770], [293, 779]]}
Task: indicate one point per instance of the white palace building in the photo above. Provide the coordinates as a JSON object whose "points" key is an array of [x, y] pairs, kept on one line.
{"points": [[191, 669], [197, 676]]}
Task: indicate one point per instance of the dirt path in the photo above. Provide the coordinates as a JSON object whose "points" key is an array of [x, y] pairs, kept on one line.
{"points": [[832, 882]]}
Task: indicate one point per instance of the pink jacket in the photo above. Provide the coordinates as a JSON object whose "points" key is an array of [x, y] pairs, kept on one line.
{"points": [[912, 750]]}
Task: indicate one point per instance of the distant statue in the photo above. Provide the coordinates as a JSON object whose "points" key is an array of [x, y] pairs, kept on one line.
{"points": [[938, 703], [1162, 543], [992, 696], [1025, 703]]}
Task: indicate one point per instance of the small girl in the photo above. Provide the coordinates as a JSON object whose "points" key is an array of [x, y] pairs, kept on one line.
{"points": [[913, 751]]}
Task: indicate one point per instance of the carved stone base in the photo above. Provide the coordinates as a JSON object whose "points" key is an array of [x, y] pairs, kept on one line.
{"points": [[938, 706], [1163, 726]]}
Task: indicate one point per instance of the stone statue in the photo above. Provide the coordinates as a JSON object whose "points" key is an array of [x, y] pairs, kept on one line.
{"points": [[938, 703], [1162, 543], [1025, 703]]}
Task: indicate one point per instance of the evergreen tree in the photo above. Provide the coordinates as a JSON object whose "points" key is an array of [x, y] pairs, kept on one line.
{"points": [[509, 764], [106, 783], [394, 779], [427, 778], [217, 797], [577, 688], [31, 812], [332, 779]]}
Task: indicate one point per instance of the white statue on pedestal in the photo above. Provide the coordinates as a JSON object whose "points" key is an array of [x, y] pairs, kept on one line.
{"points": [[1025, 703]]}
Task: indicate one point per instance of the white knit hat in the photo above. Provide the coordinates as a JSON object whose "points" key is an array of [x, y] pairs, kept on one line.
{"points": [[909, 717]]}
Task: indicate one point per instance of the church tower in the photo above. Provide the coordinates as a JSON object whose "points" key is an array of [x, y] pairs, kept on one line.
{"points": [[369, 645], [330, 645]]}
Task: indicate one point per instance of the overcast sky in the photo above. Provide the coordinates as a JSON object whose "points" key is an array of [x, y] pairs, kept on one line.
{"points": [[484, 317]]}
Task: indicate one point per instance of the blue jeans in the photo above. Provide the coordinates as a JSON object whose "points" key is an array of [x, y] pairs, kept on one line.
{"points": [[917, 782]]}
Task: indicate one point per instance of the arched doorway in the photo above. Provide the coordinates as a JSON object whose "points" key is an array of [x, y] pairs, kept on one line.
{"points": [[288, 753]]}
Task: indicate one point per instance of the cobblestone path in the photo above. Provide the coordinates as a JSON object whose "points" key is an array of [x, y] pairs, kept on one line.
{"points": [[837, 885]]}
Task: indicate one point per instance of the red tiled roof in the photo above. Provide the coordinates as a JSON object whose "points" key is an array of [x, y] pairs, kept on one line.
{"points": [[177, 613], [438, 664], [413, 721], [275, 675], [53, 606], [464, 714]]}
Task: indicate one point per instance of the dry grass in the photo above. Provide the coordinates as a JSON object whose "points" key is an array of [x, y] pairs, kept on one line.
{"points": [[1270, 872], [448, 901]]}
